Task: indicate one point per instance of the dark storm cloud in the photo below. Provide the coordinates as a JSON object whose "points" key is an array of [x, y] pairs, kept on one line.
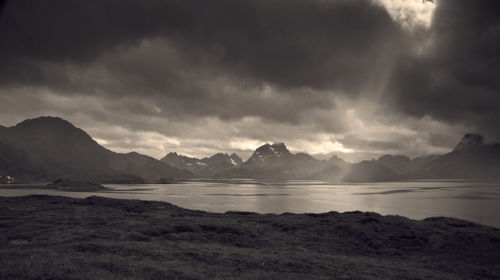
{"points": [[319, 44], [254, 71], [457, 78], [353, 141]]}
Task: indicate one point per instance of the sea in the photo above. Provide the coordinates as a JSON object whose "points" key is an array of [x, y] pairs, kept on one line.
{"points": [[476, 201]]}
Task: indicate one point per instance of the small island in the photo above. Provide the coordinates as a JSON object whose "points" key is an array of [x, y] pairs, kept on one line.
{"points": [[75, 185]]}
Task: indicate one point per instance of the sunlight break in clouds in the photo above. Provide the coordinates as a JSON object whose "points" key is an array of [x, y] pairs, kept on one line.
{"points": [[410, 13], [375, 80], [245, 144], [323, 144]]}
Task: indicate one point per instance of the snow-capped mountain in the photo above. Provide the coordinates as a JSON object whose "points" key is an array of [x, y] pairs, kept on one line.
{"points": [[204, 167], [274, 161], [268, 153]]}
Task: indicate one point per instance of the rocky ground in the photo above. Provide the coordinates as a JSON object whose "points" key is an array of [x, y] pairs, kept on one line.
{"points": [[50, 237]]}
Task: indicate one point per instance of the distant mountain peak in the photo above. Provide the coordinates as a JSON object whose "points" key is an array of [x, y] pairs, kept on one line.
{"points": [[54, 130], [469, 141], [394, 158], [205, 166], [234, 155], [135, 154], [219, 155], [173, 157], [45, 121], [270, 151], [336, 160], [273, 147]]}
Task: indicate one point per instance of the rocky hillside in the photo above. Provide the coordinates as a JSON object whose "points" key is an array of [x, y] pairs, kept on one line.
{"points": [[205, 167], [472, 158], [274, 161]]}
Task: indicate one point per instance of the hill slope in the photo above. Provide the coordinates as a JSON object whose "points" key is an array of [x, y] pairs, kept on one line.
{"points": [[49, 147], [474, 160]]}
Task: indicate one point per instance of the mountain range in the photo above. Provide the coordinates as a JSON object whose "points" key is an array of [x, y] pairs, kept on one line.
{"points": [[47, 148], [470, 159], [274, 162], [205, 167]]}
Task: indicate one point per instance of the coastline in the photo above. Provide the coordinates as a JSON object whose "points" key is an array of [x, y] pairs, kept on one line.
{"points": [[61, 237]]}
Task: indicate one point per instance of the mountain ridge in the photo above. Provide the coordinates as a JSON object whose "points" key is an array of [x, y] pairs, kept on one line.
{"points": [[275, 161], [204, 167], [51, 147], [469, 141], [473, 159]]}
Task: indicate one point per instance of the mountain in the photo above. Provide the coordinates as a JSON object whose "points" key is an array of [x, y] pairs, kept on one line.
{"points": [[471, 159], [194, 165], [334, 171], [46, 148], [236, 160], [221, 162], [339, 171], [470, 141], [335, 161], [275, 162], [370, 171], [50, 147], [403, 166], [151, 169], [205, 167]]}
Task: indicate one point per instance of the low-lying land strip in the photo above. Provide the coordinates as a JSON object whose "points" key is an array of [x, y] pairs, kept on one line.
{"points": [[52, 237]]}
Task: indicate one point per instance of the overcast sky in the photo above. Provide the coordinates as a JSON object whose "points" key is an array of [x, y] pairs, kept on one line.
{"points": [[356, 78]]}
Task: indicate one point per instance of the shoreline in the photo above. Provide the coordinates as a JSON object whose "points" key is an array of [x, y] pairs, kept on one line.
{"points": [[82, 191], [60, 237]]}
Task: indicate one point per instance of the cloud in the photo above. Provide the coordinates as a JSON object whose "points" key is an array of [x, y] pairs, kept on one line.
{"points": [[318, 44], [410, 13], [455, 79], [200, 77], [191, 59]]}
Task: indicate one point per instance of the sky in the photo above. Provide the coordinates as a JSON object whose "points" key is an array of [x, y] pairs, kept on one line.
{"points": [[353, 78]]}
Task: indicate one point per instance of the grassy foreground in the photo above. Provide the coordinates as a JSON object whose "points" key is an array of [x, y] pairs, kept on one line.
{"points": [[50, 237]]}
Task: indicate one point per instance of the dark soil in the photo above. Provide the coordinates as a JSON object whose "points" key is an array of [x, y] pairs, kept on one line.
{"points": [[50, 237]]}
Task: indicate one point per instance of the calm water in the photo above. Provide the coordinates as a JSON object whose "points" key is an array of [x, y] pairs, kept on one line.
{"points": [[474, 201]]}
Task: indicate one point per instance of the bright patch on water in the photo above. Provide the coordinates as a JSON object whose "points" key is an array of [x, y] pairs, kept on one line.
{"points": [[474, 201]]}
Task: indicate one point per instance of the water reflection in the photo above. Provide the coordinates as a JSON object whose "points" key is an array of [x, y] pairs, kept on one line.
{"points": [[475, 201]]}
